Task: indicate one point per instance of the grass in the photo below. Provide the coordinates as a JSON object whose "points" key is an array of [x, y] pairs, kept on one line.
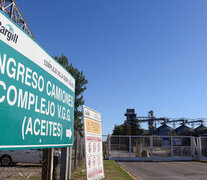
{"points": [[79, 173], [111, 170]]}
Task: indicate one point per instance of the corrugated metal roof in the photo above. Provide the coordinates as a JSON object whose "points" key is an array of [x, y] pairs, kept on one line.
{"points": [[200, 128], [164, 130]]}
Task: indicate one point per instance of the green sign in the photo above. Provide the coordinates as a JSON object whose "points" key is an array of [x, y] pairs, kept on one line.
{"points": [[36, 94]]}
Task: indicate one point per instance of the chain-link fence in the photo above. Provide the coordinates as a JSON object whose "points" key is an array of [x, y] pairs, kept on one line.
{"points": [[149, 147], [29, 164], [182, 146], [204, 147], [20, 171], [78, 152], [20, 164], [77, 156], [140, 146]]}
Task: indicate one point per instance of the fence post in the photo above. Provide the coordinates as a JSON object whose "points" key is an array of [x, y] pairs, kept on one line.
{"points": [[199, 148], [172, 154], [130, 146], [151, 146], [119, 146], [109, 146], [193, 147]]}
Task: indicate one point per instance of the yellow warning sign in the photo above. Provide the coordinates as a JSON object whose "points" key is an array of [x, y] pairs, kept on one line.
{"points": [[93, 126]]}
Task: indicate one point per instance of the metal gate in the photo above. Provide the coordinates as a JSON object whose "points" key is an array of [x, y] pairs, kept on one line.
{"points": [[203, 148], [149, 148]]}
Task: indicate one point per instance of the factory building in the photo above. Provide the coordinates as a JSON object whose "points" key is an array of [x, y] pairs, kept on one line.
{"points": [[164, 129]]}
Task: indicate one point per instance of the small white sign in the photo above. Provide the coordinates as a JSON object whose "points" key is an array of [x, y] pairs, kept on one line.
{"points": [[93, 144]]}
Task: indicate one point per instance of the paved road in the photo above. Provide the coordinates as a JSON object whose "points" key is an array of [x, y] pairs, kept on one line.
{"points": [[189, 170]]}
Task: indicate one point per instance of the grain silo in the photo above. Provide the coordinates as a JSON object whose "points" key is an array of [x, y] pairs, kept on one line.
{"points": [[164, 130], [184, 130], [201, 130]]}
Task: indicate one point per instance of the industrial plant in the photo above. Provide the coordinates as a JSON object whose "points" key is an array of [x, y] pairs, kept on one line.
{"points": [[164, 126]]}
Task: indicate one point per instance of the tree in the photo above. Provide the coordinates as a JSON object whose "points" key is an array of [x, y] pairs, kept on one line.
{"points": [[80, 87], [128, 129], [118, 130], [135, 128]]}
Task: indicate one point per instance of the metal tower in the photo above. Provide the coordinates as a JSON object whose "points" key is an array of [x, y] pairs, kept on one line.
{"points": [[151, 120], [10, 8]]}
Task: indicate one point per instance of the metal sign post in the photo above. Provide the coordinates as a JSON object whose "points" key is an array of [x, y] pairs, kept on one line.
{"points": [[70, 162], [64, 163], [93, 144]]}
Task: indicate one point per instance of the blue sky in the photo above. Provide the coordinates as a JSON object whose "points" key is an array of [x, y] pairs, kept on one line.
{"points": [[142, 54]]}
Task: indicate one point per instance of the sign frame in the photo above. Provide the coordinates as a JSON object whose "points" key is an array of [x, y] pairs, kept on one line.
{"points": [[93, 144]]}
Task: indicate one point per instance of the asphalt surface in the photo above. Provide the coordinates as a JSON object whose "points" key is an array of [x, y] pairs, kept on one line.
{"points": [[188, 170]]}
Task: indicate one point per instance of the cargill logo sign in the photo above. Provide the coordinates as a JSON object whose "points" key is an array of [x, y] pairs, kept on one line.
{"points": [[8, 31]]}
